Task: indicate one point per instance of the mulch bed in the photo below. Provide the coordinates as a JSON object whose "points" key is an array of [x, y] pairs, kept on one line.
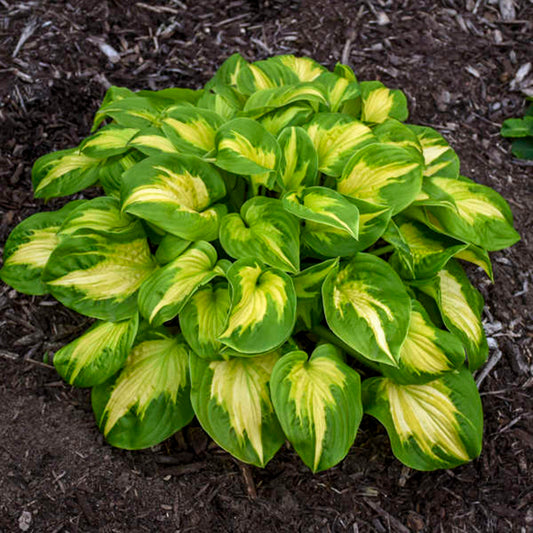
{"points": [[458, 64]]}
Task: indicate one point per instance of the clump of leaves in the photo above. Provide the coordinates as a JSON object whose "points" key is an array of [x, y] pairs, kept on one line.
{"points": [[521, 130], [260, 245]]}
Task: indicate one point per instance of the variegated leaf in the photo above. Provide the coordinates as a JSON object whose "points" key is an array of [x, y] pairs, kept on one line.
{"points": [[427, 351], [170, 248], [433, 425], [367, 306], [305, 68], [224, 102], [266, 100], [379, 103], [64, 172], [439, 157], [318, 403], [267, 74], [98, 274], [97, 354], [345, 71], [113, 94], [299, 160], [293, 115], [431, 195], [191, 130], [28, 248], [107, 142], [231, 400], [149, 400], [460, 305], [336, 137], [382, 174], [203, 317], [152, 141], [263, 308], [478, 256], [176, 193], [110, 173], [100, 215], [324, 205], [172, 96], [326, 241], [321, 241], [134, 111], [228, 72], [373, 221], [338, 90], [165, 292], [264, 230], [308, 287], [420, 251], [246, 147], [481, 216], [392, 131]]}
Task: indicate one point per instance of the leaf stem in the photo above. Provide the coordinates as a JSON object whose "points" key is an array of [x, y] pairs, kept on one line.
{"points": [[327, 335]]}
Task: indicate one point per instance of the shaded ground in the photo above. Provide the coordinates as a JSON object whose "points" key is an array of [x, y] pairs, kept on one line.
{"points": [[457, 64]]}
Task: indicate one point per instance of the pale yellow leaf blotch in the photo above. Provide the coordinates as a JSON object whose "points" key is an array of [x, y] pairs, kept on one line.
{"points": [[121, 272], [99, 219], [93, 343], [110, 138], [257, 288], [377, 105], [36, 251], [306, 69], [239, 386], [469, 204], [432, 149], [65, 164], [419, 245], [153, 368], [182, 189], [157, 142], [324, 205], [192, 268], [419, 352], [311, 383], [337, 92], [456, 307], [290, 153], [241, 145], [333, 143], [197, 132], [356, 294], [427, 414], [261, 80], [365, 182], [211, 308]]}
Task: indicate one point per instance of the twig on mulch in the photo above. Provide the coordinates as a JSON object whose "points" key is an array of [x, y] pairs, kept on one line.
{"points": [[162, 9], [15, 357], [394, 521], [27, 32], [491, 363], [248, 481]]}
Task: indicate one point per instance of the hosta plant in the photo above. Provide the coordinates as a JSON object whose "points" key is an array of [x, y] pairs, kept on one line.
{"points": [[276, 254]]}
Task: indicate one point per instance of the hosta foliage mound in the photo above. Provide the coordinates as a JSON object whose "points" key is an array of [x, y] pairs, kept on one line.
{"points": [[259, 247]]}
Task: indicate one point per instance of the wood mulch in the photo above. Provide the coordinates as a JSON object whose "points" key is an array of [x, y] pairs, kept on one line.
{"points": [[462, 65]]}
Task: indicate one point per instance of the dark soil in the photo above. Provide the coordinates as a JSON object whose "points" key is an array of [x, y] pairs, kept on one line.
{"points": [[457, 62]]}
